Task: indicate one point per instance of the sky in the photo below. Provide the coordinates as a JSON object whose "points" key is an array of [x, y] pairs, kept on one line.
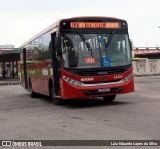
{"points": [[22, 19]]}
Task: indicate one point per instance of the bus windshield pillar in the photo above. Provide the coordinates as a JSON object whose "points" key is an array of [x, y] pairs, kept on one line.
{"points": [[55, 64]]}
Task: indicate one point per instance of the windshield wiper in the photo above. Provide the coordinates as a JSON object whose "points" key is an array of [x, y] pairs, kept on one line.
{"points": [[86, 42], [109, 39]]}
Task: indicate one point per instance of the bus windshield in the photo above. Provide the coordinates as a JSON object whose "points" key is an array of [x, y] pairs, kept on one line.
{"points": [[105, 50]]}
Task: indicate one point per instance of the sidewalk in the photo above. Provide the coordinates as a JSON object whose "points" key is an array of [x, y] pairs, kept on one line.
{"points": [[9, 82]]}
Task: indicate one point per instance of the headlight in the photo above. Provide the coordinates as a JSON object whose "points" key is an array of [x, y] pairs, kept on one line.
{"points": [[73, 82], [127, 78]]}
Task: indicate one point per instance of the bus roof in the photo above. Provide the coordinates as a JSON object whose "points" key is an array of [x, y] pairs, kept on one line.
{"points": [[56, 24]]}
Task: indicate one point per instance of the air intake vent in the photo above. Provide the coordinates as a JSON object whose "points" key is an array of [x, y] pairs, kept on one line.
{"points": [[98, 71]]}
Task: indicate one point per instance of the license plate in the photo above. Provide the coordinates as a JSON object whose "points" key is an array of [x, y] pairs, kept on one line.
{"points": [[104, 90]]}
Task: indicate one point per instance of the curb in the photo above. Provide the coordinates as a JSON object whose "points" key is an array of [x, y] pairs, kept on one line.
{"points": [[146, 75], [9, 83]]}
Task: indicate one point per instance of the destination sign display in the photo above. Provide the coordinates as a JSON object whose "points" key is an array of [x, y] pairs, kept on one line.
{"points": [[97, 25]]}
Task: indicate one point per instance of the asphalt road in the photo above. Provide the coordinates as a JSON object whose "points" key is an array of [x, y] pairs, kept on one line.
{"points": [[130, 116]]}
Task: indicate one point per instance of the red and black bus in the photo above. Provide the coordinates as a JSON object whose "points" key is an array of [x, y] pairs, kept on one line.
{"points": [[79, 57]]}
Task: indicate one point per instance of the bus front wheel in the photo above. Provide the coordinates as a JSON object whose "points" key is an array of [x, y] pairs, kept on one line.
{"points": [[55, 100], [109, 98]]}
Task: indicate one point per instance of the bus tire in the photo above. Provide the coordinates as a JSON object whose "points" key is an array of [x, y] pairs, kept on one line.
{"points": [[32, 94], [109, 98], [55, 100]]}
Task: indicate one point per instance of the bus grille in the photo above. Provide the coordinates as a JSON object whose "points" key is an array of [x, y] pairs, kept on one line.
{"points": [[101, 72]]}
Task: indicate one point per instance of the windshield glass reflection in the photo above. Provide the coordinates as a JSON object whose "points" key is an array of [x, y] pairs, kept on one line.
{"points": [[102, 53]]}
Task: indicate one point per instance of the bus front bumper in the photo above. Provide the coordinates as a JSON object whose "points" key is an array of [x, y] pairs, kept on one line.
{"points": [[69, 91]]}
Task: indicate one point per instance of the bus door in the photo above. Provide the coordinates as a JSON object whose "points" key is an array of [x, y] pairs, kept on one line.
{"points": [[24, 73], [55, 64]]}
